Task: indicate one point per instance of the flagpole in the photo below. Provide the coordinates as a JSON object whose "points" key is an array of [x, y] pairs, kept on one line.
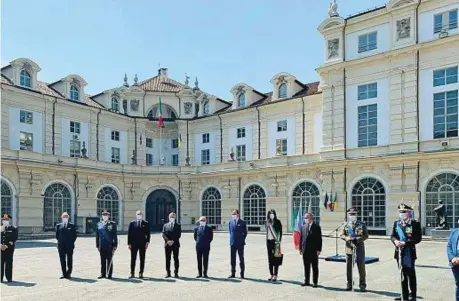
{"points": [[160, 144]]}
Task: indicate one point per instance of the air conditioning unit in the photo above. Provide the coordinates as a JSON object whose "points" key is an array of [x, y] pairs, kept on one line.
{"points": [[76, 137], [445, 143], [443, 34]]}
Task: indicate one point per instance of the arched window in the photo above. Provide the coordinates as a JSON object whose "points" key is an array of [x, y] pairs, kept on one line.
{"points": [[25, 79], [306, 196], [443, 187], [115, 104], [283, 90], [241, 100], [74, 93], [369, 198], [211, 206], [57, 200], [108, 199], [255, 205], [7, 199], [168, 112]]}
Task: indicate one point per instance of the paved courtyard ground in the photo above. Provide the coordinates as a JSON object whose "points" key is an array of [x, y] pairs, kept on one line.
{"points": [[37, 269]]}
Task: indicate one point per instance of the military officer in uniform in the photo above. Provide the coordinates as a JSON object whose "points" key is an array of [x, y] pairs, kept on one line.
{"points": [[354, 233], [66, 236], [106, 243], [9, 237], [406, 233]]}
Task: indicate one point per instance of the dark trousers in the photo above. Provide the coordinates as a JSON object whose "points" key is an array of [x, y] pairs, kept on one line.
{"points": [[66, 258], [175, 251], [7, 264], [273, 265], [141, 251], [311, 259], [203, 259], [350, 269], [456, 278], [409, 276], [240, 253], [106, 256]]}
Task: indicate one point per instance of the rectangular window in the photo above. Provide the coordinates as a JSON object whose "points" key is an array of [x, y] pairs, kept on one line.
{"points": [[446, 76], [368, 91], [368, 125], [240, 152], [175, 160], [196, 109], [149, 159], [26, 117], [75, 148], [205, 138], [445, 115], [75, 127], [26, 141], [174, 143], [368, 42], [115, 136], [205, 157], [282, 126], [281, 147], [149, 143], [241, 132], [445, 21], [115, 155]]}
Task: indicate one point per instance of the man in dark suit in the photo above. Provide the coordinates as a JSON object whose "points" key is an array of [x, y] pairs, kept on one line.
{"points": [[66, 236], [106, 243], [238, 234], [9, 238], [203, 235], [172, 231], [406, 234], [138, 241], [310, 248]]}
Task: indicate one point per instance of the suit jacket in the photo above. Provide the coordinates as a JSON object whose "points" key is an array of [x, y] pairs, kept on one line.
{"points": [[9, 237], [138, 235], [413, 234], [311, 240], [66, 236], [361, 233], [451, 248], [238, 232], [203, 237], [172, 231], [106, 235]]}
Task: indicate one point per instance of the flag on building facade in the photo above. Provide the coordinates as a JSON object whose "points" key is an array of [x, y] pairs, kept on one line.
{"points": [[326, 200], [160, 109], [180, 141], [298, 223], [335, 201], [331, 205]]}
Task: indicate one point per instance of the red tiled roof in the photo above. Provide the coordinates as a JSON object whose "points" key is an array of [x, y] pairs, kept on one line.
{"points": [[161, 84]]}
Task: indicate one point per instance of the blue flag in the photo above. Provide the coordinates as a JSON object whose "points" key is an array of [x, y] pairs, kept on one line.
{"points": [[326, 200]]}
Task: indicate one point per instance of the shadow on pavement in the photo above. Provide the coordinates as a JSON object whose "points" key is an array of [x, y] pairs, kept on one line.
{"points": [[432, 267], [158, 279], [342, 289], [291, 281], [83, 280], [34, 244], [20, 283], [125, 280], [194, 279], [225, 279]]}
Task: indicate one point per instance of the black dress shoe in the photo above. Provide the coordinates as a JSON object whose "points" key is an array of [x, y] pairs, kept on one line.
{"points": [[242, 276], [349, 288], [168, 275], [68, 276], [101, 276], [314, 285], [109, 277], [199, 276], [62, 277], [10, 280], [176, 275], [131, 275], [205, 276], [400, 298], [141, 275], [232, 276], [306, 284]]}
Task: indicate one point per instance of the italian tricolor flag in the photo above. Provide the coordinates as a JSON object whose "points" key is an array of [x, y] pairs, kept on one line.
{"points": [[160, 120]]}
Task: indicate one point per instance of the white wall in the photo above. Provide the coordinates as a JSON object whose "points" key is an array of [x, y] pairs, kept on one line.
{"points": [[200, 146], [162, 149], [426, 23], [426, 92], [289, 135], [383, 41], [122, 145], [234, 141], [36, 128], [352, 104], [317, 132], [67, 136]]}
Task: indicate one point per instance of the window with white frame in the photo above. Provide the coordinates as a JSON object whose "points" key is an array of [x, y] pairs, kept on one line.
{"points": [[211, 206], [175, 143], [282, 126], [282, 91], [241, 133], [368, 42], [175, 160], [74, 93], [115, 136], [75, 127], [149, 143], [149, 159], [445, 21], [108, 199], [7, 198], [368, 125], [75, 148], [196, 109], [26, 141], [241, 100], [205, 157], [25, 79], [445, 119], [281, 147], [445, 76], [26, 117], [115, 155], [115, 104], [367, 91], [254, 204], [206, 108], [205, 138], [240, 152]]}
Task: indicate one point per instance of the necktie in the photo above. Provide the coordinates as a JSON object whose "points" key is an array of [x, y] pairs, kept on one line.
{"points": [[138, 223]]}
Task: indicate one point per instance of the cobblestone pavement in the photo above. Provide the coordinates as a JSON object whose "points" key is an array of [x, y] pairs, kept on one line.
{"points": [[37, 271]]}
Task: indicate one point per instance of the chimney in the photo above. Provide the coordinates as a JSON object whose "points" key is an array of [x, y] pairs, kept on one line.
{"points": [[162, 72]]}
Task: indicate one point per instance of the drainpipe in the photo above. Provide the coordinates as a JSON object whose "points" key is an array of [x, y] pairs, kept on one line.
{"points": [[97, 135], [304, 134], [143, 101], [179, 209], [345, 192], [239, 195], [344, 95], [417, 78], [135, 144], [54, 125], [76, 191], [187, 141], [18, 191], [221, 139], [259, 133], [419, 195]]}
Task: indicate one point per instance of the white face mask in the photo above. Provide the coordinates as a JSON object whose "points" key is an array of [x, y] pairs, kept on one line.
{"points": [[6, 223], [352, 218], [171, 219], [139, 217], [402, 216], [307, 221], [105, 218], [234, 217], [271, 216], [65, 220], [202, 223]]}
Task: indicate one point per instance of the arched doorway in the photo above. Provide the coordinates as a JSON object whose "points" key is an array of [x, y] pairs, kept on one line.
{"points": [[57, 200], [7, 199], [159, 204], [254, 205], [445, 187], [211, 205], [108, 199], [369, 198], [306, 196]]}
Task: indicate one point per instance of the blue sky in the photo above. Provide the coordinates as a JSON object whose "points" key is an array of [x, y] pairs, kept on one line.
{"points": [[220, 42]]}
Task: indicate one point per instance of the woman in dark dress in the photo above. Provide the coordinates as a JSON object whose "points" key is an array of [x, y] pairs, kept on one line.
{"points": [[273, 242]]}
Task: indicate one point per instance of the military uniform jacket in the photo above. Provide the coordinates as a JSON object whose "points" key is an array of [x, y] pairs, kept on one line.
{"points": [[413, 233], [9, 237], [361, 232], [106, 235]]}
